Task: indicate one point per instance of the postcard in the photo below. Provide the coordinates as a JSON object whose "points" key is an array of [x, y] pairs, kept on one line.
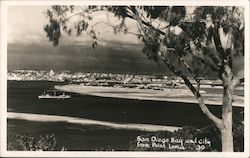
{"points": [[124, 78]]}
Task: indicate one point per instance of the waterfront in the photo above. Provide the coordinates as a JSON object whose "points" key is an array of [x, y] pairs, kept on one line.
{"points": [[22, 97]]}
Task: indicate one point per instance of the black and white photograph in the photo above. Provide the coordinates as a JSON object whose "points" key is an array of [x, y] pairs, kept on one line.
{"points": [[134, 79]]}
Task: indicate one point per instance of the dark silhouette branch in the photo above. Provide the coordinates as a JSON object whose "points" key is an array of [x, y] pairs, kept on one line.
{"points": [[218, 122], [217, 42], [212, 67], [79, 13], [186, 66], [136, 17], [115, 27]]}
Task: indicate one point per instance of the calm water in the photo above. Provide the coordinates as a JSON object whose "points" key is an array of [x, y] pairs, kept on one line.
{"points": [[22, 97]]}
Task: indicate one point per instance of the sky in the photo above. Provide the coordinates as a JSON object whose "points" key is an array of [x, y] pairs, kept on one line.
{"points": [[26, 23], [29, 47], [26, 26]]}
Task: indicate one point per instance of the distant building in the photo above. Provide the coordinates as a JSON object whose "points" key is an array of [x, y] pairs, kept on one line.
{"points": [[51, 73]]}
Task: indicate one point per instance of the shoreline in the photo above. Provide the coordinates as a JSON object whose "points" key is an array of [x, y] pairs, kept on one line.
{"points": [[170, 95], [83, 121]]}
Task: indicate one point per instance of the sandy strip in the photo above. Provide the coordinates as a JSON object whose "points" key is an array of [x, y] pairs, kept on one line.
{"points": [[82, 121], [170, 95]]}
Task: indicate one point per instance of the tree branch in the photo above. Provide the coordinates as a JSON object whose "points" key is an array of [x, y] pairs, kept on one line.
{"points": [[213, 68], [186, 66], [218, 122], [217, 41], [114, 26], [136, 17], [235, 82], [189, 35], [206, 62], [73, 15]]}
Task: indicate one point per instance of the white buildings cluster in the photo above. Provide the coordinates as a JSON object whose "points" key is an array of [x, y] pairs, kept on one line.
{"points": [[103, 79]]}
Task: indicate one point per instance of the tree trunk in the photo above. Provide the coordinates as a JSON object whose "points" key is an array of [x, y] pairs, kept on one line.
{"points": [[226, 131]]}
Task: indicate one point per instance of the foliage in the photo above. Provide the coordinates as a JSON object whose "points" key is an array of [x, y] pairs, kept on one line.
{"points": [[157, 27], [29, 143]]}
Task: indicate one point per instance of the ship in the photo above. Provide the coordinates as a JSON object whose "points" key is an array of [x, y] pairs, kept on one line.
{"points": [[54, 95]]}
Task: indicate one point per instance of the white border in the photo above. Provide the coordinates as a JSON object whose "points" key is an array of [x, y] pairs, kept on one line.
{"points": [[3, 79]]}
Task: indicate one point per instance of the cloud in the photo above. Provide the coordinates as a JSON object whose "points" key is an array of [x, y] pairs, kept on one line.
{"points": [[26, 23]]}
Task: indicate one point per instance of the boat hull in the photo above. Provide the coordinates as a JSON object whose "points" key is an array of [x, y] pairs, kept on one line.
{"points": [[55, 97]]}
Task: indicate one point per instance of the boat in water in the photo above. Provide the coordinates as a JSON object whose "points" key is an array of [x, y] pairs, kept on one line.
{"points": [[53, 95]]}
